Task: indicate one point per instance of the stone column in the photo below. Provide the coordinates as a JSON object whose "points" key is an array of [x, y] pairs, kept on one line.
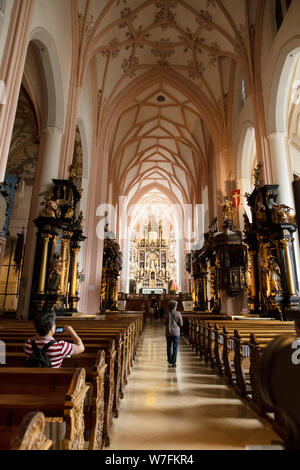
{"points": [[282, 175], [93, 256], [50, 157], [281, 169], [47, 168], [11, 73]]}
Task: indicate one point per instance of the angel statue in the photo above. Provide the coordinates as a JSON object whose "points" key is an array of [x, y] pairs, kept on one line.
{"points": [[281, 214], [51, 207]]}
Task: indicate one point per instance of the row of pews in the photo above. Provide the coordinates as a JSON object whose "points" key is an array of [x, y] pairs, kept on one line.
{"points": [[233, 349], [71, 408]]}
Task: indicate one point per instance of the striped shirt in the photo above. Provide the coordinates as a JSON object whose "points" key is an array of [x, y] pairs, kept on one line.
{"points": [[56, 352]]}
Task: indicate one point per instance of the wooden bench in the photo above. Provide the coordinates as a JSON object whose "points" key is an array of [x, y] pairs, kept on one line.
{"points": [[94, 409], [108, 346], [278, 380], [30, 435], [207, 333], [58, 393], [124, 330], [92, 342]]}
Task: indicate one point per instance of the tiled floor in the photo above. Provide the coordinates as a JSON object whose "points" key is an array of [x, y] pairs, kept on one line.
{"points": [[184, 408]]}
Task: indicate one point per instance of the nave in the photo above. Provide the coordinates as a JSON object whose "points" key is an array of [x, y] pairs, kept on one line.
{"points": [[184, 408]]}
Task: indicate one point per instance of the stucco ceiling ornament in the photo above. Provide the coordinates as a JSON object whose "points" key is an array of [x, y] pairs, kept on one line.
{"points": [[193, 44], [113, 51], [129, 64], [205, 19], [165, 16], [127, 13], [215, 49], [86, 27], [195, 69], [163, 50], [211, 2]]}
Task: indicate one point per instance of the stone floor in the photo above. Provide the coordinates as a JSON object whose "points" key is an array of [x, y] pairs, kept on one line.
{"points": [[184, 408]]}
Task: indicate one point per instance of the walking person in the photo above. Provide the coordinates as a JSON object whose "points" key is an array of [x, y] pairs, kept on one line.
{"points": [[173, 320]]}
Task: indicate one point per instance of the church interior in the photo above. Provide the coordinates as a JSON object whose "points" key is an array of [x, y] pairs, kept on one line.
{"points": [[150, 153]]}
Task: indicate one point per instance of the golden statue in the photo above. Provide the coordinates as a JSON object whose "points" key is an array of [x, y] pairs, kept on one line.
{"points": [[263, 256], [260, 212], [228, 210], [55, 273], [281, 214], [258, 175], [80, 221], [51, 207], [73, 172]]}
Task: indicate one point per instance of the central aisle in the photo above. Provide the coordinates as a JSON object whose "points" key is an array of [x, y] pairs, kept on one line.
{"points": [[184, 408]]}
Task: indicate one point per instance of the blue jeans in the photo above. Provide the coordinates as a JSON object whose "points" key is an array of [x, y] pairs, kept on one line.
{"points": [[172, 348]]}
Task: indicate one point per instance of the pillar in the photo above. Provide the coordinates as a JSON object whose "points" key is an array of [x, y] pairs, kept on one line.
{"points": [[11, 72], [281, 169], [282, 175], [47, 168], [50, 158]]}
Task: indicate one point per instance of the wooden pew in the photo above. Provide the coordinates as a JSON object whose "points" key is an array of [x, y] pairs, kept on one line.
{"points": [[207, 334], [92, 342], [279, 383], [109, 382], [94, 409], [230, 340], [30, 435], [89, 331], [58, 393], [126, 326]]}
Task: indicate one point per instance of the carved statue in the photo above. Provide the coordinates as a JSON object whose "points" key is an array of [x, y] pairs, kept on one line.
{"points": [[55, 273], [258, 175], [51, 206], [275, 275], [247, 196], [247, 224], [228, 210], [281, 214], [80, 221], [263, 255], [260, 212], [73, 172]]}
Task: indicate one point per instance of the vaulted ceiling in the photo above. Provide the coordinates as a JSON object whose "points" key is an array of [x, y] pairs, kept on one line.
{"points": [[162, 136]]}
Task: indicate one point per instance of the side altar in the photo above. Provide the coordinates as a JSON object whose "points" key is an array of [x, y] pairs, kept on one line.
{"points": [[260, 263], [60, 233]]}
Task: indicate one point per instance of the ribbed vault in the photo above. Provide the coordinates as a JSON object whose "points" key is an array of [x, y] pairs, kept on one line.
{"points": [[161, 141]]}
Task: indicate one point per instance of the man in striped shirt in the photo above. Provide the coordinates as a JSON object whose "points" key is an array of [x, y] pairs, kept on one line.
{"points": [[45, 327]]}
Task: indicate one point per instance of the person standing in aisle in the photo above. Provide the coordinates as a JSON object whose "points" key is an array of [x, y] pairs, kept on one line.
{"points": [[174, 322]]}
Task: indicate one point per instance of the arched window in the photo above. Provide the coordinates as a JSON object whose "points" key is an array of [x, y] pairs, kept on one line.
{"points": [[281, 8]]}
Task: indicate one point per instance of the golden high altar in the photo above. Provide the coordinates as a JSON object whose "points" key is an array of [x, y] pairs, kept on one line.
{"points": [[153, 261]]}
